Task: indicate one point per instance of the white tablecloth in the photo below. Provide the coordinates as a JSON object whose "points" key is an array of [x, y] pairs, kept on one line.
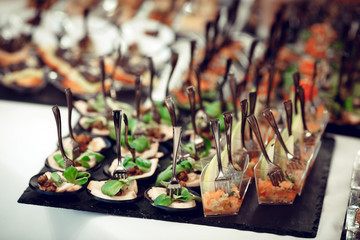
{"points": [[28, 135]]}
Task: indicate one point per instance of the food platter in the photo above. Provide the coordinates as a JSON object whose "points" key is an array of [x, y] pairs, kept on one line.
{"points": [[300, 219]]}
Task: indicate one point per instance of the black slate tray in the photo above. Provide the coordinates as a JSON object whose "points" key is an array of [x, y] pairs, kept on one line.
{"points": [[344, 129], [300, 219]]}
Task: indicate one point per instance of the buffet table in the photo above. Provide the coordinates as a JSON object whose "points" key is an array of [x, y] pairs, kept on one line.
{"points": [[28, 136]]}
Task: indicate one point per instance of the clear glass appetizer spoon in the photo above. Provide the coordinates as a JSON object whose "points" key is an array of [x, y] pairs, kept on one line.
{"points": [[68, 161], [75, 144]]}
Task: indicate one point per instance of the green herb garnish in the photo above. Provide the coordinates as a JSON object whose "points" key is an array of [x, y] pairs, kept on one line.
{"points": [[112, 187], [56, 178], [72, 175], [165, 200]]}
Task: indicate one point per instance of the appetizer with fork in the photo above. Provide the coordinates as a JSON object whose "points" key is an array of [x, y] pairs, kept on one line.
{"points": [[68, 181], [173, 195], [136, 165]]}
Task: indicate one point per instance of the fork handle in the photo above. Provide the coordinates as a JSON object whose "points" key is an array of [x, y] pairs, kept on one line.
{"points": [[296, 78], [69, 105], [228, 129], [169, 103], [57, 116], [255, 127], [198, 79], [233, 86], [244, 110], [191, 94], [174, 60], [252, 102], [117, 124], [138, 95], [270, 118], [302, 105], [102, 67], [152, 74], [288, 111], [176, 142], [214, 123]]}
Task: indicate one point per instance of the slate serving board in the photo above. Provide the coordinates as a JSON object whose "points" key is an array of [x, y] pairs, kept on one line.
{"points": [[300, 219]]}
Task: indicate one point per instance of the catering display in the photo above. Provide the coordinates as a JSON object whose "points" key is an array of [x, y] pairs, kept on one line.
{"points": [[159, 81]]}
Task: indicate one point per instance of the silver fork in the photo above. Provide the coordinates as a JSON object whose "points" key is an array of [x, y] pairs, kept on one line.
{"points": [[228, 128], [174, 186], [221, 180], [76, 151], [139, 129], [275, 172], [288, 111], [294, 161], [169, 103], [198, 141], [309, 137], [68, 161], [120, 172]]}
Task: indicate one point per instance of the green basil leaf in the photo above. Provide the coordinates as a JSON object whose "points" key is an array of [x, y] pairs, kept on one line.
{"points": [[83, 158], [81, 181], [98, 156], [141, 144], [163, 200], [132, 124], [143, 164], [56, 178], [164, 113], [185, 194], [83, 174], [60, 160], [130, 164], [112, 187], [222, 123], [190, 148], [85, 164], [213, 109], [167, 173], [147, 117], [112, 134], [70, 174]]}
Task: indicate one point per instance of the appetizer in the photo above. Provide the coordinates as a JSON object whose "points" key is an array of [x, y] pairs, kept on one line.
{"points": [[84, 162], [68, 181], [114, 189], [220, 203], [183, 201], [187, 172], [86, 141], [19, 63]]}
